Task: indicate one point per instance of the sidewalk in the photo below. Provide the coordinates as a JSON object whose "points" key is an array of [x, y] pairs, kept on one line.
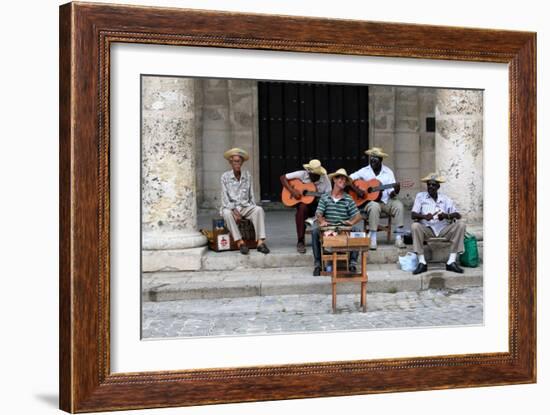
{"points": [[264, 315]]}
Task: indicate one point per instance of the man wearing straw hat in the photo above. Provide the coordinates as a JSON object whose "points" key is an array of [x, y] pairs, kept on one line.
{"points": [[336, 208], [238, 201], [437, 216], [313, 173], [388, 202]]}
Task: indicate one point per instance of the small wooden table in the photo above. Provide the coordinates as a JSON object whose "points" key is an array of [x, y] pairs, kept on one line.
{"points": [[343, 244]]}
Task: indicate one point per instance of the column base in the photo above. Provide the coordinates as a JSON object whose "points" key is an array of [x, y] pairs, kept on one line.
{"points": [[172, 260], [157, 240], [172, 251]]}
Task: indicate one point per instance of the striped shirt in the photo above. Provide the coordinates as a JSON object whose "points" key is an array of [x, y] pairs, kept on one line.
{"points": [[336, 211], [424, 204]]}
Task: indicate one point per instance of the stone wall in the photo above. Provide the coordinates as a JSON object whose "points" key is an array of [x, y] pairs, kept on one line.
{"points": [[398, 118], [230, 119]]}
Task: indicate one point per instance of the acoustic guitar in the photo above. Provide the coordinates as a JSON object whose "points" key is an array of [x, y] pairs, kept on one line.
{"points": [[372, 189], [307, 190]]}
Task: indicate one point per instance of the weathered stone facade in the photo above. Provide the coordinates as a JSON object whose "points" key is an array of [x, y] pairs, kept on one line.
{"points": [[188, 123], [459, 148], [398, 125], [229, 116]]}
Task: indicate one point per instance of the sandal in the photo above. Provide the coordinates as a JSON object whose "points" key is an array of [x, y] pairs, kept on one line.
{"points": [[244, 249]]}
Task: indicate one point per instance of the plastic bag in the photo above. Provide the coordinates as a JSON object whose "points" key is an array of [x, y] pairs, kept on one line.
{"points": [[408, 262], [470, 256]]}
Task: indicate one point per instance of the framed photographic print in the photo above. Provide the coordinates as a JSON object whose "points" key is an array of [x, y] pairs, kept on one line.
{"points": [[188, 276]]}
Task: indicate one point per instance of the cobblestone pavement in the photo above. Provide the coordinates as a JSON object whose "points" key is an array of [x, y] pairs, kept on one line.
{"points": [[308, 313]]}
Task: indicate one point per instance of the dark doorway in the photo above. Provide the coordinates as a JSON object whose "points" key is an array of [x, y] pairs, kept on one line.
{"points": [[303, 121]]}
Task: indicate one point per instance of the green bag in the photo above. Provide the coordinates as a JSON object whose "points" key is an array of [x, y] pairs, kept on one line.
{"points": [[470, 256]]}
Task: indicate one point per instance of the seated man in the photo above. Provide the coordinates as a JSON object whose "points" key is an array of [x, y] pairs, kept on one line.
{"points": [[388, 202], [336, 208], [313, 173], [437, 216], [238, 201]]}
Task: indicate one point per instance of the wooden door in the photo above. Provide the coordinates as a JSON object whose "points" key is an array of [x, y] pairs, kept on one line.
{"points": [[304, 121]]}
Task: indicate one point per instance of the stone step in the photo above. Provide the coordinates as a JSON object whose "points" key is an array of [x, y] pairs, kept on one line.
{"points": [[172, 286], [288, 257]]}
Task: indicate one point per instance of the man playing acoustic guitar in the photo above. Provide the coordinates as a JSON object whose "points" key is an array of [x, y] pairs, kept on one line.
{"points": [[387, 202], [296, 192]]}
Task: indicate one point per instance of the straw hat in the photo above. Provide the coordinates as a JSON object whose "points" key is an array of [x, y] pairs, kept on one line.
{"points": [[236, 151], [340, 172], [314, 166], [376, 152], [433, 176]]}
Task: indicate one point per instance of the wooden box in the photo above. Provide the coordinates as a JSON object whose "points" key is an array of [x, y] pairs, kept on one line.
{"points": [[342, 241], [223, 241]]}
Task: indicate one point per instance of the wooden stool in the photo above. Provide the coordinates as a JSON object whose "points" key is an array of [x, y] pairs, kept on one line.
{"points": [[335, 245]]}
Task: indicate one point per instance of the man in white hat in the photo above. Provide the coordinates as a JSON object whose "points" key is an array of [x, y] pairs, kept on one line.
{"points": [[238, 201], [313, 173], [436, 215], [388, 202], [336, 208]]}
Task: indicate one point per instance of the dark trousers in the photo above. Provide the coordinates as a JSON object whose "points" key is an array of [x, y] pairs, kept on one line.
{"points": [[303, 212]]}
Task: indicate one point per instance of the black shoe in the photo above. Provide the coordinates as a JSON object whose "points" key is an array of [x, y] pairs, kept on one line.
{"points": [[301, 248], [263, 249], [244, 249], [454, 268], [317, 271], [420, 268], [353, 269]]}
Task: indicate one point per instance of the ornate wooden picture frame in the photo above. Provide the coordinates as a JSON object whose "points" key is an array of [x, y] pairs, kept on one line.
{"points": [[87, 32]]}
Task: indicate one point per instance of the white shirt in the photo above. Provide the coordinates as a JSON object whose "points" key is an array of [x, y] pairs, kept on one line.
{"points": [[322, 185], [424, 204], [385, 176]]}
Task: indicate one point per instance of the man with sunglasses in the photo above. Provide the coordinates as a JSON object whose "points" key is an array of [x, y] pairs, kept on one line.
{"points": [[387, 202], [436, 215]]}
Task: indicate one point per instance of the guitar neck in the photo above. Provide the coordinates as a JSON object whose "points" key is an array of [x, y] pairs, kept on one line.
{"points": [[382, 187]]}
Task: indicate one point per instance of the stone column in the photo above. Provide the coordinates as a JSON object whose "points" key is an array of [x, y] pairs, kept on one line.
{"points": [[170, 239], [459, 149]]}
